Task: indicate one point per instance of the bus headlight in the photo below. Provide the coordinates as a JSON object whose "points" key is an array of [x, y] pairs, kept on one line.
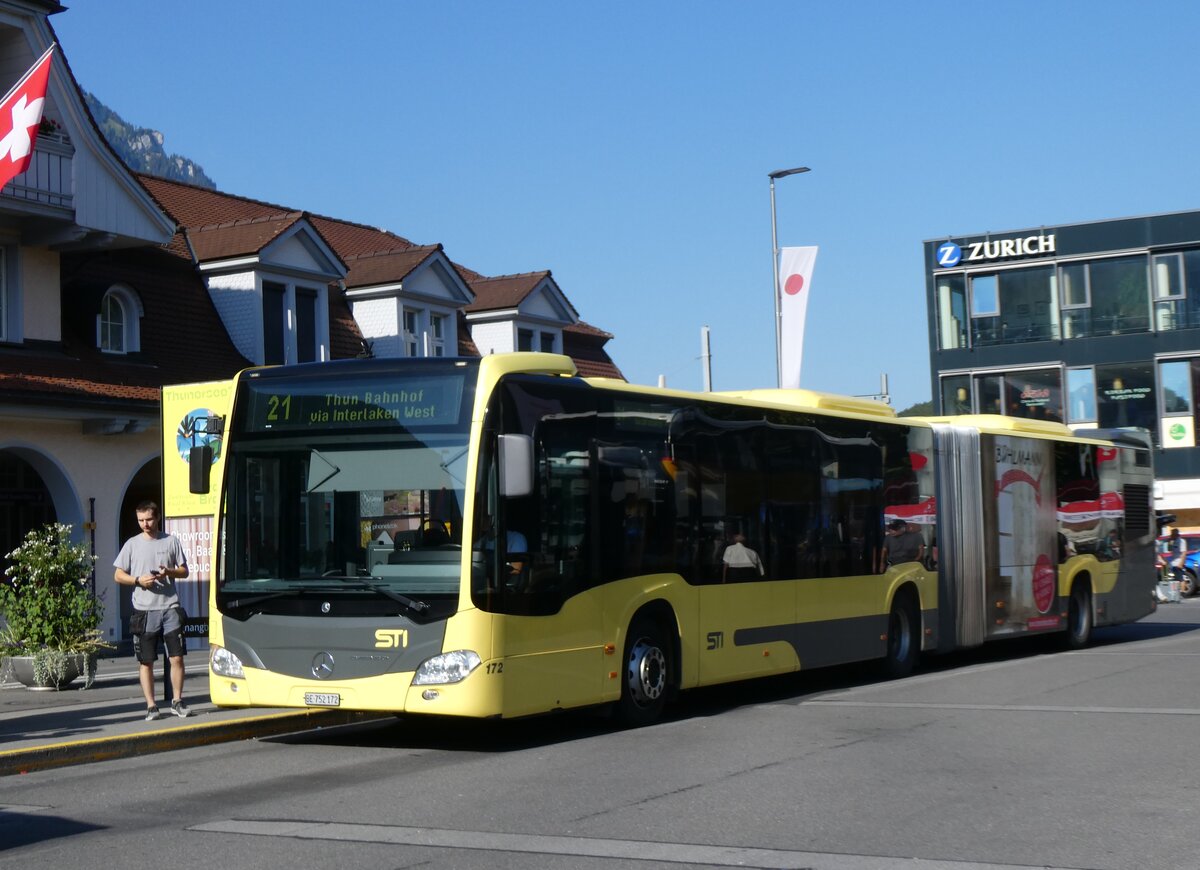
{"points": [[224, 663], [451, 667]]}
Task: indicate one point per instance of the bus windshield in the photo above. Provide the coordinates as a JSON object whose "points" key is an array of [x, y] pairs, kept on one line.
{"points": [[365, 507]]}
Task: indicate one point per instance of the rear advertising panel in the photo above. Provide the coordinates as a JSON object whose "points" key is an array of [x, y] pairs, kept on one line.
{"points": [[186, 515], [1021, 534]]}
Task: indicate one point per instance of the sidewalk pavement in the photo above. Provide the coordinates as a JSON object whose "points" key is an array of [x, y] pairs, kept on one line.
{"points": [[40, 730]]}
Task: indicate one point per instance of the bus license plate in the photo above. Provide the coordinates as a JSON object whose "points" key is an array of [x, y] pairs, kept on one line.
{"points": [[322, 699]]}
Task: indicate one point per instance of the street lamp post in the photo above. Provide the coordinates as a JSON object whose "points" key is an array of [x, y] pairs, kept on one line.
{"points": [[778, 173]]}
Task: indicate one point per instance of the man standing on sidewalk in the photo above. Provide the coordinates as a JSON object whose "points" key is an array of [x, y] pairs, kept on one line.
{"points": [[151, 562]]}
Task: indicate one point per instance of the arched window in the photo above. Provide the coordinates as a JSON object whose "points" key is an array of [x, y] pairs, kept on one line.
{"points": [[117, 323]]}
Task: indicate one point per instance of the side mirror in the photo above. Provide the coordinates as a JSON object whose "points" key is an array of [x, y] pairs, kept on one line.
{"points": [[515, 456], [200, 469]]}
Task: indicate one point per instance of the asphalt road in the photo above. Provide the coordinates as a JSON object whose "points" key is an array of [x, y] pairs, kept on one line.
{"points": [[1016, 755]]}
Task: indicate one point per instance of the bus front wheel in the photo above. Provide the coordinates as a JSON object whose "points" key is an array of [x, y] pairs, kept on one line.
{"points": [[903, 637], [1079, 617], [646, 674]]}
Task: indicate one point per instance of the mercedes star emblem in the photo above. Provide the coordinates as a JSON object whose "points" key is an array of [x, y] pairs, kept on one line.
{"points": [[322, 665]]}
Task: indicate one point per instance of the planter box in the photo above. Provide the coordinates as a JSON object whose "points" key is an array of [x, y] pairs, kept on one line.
{"points": [[77, 665]]}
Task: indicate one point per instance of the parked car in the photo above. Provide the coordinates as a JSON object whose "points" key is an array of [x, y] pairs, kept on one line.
{"points": [[1190, 582]]}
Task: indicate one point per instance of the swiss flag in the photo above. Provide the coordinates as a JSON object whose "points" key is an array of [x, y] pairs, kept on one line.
{"points": [[20, 115]]}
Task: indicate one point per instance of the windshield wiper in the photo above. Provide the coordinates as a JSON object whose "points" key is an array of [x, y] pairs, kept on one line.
{"points": [[333, 470], [418, 607]]}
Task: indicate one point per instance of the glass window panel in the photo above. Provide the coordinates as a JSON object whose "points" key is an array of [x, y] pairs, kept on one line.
{"points": [[1125, 396], [547, 342], [1175, 378], [306, 325], [1073, 281], [437, 323], [1081, 395], [1027, 305], [1189, 312], [112, 324], [985, 300], [524, 339], [952, 311], [411, 327], [956, 394], [1169, 304], [1119, 295], [1168, 276], [273, 323]]}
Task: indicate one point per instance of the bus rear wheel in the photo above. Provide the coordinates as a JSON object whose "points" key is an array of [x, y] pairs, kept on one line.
{"points": [[646, 674], [1079, 617], [903, 637]]}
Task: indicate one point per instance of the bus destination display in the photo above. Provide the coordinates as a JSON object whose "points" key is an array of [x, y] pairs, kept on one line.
{"points": [[410, 403]]}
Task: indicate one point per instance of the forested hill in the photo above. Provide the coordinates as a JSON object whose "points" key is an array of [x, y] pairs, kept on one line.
{"points": [[142, 148]]}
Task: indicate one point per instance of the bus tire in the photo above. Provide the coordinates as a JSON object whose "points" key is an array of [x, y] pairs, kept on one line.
{"points": [[1079, 616], [646, 673], [903, 637]]}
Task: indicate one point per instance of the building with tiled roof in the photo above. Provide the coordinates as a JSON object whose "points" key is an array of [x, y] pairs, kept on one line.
{"points": [[113, 285]]}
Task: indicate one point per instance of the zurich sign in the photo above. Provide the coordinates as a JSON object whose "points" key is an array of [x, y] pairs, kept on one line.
{"points": [[948, 254]]}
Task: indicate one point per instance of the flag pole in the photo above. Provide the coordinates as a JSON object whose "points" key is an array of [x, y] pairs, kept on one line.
{"points": [[778, 173], [775, 279]]}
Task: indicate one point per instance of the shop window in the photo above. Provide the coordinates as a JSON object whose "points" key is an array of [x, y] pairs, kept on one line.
{"points": [[1081, 395], [989, 391], [956, 394], [1177, 395], [1034, 395], [1125, 397]]}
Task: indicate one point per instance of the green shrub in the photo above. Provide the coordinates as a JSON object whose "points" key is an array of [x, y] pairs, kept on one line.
{"points": [[46, 597]]}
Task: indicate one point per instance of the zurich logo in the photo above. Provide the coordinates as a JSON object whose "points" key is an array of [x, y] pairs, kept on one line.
{"points": [[948, 254], [322, 665]]}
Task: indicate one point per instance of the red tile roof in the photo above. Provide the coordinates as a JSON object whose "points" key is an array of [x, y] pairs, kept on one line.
{"points": [[375, 269], [504, 291], [240, 238]]}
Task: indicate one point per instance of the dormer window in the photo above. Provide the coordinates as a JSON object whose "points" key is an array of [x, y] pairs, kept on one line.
{"points": [[117, 323]]}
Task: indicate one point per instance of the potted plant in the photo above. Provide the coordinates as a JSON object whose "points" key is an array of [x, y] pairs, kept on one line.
{"points": [[52, 618]]}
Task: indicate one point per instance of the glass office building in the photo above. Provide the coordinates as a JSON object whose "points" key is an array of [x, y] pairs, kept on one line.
{"points": [[1094, 325]]}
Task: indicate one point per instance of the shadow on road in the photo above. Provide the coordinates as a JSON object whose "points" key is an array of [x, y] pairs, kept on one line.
{"points": [[467, 735], [24, 829]]}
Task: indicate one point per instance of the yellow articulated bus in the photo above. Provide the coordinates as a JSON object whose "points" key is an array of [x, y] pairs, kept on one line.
{"points": [[499, 537]]}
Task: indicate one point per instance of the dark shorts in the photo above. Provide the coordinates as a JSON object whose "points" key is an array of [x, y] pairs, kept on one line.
{"points": [[147, 626]]}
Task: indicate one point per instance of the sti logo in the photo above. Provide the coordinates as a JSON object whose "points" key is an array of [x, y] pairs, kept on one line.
{"points": [[948, 255]]}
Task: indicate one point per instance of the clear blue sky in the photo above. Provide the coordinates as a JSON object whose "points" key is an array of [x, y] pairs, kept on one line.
{"points": [[626, 145]]}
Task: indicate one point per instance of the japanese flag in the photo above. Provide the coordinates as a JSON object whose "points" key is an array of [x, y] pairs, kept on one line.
{"points": [[20, 115], [795, 279]]}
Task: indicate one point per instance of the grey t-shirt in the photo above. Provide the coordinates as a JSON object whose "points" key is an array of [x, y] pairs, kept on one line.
{"points": [[904, 547], [142, 555]]}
